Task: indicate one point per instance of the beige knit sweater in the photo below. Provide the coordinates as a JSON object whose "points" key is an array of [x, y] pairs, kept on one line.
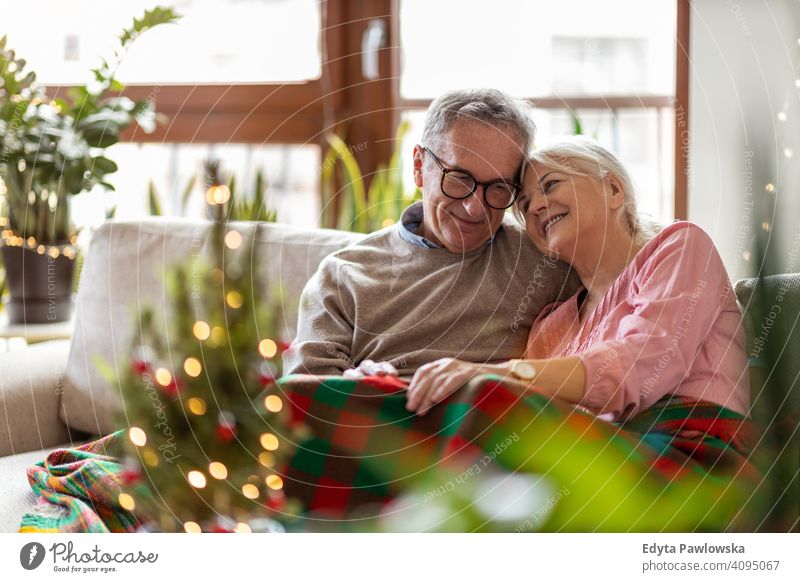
{"points": [[386, 299]]}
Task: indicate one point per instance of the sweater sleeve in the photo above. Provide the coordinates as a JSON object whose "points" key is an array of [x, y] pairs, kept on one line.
{"points": [[676, 297], [324, 329]]}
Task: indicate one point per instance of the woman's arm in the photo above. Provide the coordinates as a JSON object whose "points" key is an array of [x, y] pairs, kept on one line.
{"points": [[563, 378]]}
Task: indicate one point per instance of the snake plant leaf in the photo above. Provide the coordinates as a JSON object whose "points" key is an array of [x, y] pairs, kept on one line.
{"points": [[153, 200], [353, 184]]}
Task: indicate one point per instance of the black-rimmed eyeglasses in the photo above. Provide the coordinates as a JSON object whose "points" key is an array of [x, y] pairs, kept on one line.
{"points": [[458, 184]]}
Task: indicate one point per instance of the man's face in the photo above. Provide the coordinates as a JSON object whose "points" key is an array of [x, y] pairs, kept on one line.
{"points": [[488, 153]]}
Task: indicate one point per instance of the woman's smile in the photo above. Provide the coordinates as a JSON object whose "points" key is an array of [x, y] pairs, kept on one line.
{"points": [[549, 221]]}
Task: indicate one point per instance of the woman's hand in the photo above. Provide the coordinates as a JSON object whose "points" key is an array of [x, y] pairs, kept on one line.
{"points": [[436, 381], [370, 368]]}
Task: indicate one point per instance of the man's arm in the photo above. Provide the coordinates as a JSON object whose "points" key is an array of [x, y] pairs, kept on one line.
{"points": [[324, 328]]}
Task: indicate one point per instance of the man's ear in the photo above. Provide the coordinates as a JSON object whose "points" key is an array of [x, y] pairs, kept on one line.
{"points": [[419, 158], [617, 198]]}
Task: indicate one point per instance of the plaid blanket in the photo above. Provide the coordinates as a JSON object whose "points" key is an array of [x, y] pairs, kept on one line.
{"points": [[78, 491], [681, 465]]}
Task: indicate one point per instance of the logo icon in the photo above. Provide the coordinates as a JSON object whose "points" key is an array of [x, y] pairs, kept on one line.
{"points": [[31, 555]]}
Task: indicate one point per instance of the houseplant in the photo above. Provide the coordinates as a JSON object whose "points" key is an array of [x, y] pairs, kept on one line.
{"points": [[353, 207], [52, 149], [246, 205]]}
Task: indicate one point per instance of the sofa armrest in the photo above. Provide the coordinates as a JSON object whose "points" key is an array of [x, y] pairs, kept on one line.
{"points": [[31, 382]]}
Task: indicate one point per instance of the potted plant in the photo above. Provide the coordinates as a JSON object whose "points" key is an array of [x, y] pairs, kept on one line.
{"points": [[51, 149]]}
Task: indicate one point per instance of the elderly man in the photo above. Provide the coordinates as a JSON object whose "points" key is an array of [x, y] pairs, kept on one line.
{"points": [[455, 277]]}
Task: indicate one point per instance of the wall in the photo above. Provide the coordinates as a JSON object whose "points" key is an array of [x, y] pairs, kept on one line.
{"points": [[744, 124]]}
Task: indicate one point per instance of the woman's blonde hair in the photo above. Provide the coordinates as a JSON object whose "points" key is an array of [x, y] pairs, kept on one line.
{"points": [[580, 156]]}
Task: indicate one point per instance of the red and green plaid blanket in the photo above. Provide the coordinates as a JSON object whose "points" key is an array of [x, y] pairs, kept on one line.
{"points": [[681, 465]]}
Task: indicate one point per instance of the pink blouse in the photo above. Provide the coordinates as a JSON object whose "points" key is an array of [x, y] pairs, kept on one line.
{"points": [[669, 324]]}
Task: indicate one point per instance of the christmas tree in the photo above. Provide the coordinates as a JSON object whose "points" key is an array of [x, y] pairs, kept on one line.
{"points": [[207, 428]]}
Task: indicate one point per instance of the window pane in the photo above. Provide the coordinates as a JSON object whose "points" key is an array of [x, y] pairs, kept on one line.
{"points": [[641, 138], [536, 48], [291, 175], [225, 41]]}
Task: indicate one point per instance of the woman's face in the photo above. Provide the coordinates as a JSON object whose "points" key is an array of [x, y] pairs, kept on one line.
{"points": [[565, 213]]}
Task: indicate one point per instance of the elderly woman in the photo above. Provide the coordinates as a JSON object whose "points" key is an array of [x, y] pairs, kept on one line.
{"points": [[655, 315]]}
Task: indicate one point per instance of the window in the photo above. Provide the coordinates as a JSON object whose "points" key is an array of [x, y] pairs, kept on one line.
{"points": [[259, 82], [292, 190], [227, 41], [571, 58]]}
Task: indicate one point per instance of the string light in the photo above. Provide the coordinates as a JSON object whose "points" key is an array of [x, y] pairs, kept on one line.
{"points": [[191, 527], [218, 335], [788, 152], [192, 367], [242, 528], [10, 239], [196, 479], [126, 501], [770, 187], [137, 436], [782, 116], [273, 403], [250, 491], [267, 459], [765, 226], [197, 406], [233, 239], [201, 330], [163, 376], [234, 299], [217, 470], [150, 458], [274, 482], [269, 441], [267, 348], [218, 195]]}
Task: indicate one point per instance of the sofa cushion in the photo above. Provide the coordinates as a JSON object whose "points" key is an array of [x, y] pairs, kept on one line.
{"points": [[124, 270], [30, 384]]}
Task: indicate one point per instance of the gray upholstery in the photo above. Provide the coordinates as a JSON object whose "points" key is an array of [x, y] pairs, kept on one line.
{"points": [[31, 381], [18, 497]]}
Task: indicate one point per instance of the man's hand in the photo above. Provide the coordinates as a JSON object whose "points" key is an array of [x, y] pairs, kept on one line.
{"points": [[436, 381], [370, 368]]}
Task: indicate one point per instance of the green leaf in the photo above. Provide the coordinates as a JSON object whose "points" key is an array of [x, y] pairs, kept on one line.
{"points": [[577, 126], [105, 165], [153, 201], [187, 193], [353, 184]]}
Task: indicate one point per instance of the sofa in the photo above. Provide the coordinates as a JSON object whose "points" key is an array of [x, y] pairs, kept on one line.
{"points": [[53, 396]]}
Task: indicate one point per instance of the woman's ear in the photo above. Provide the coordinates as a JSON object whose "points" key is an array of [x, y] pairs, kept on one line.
{"points": [[617, 198], [419, 158]]}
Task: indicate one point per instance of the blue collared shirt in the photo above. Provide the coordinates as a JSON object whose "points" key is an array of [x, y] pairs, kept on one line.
{"points": [[409, 224]]}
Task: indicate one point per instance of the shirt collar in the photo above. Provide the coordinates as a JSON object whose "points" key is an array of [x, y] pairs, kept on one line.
{"points": [[410, 222]]}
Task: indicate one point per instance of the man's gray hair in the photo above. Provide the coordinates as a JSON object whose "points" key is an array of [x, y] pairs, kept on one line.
{"points": [[482, 106]]}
